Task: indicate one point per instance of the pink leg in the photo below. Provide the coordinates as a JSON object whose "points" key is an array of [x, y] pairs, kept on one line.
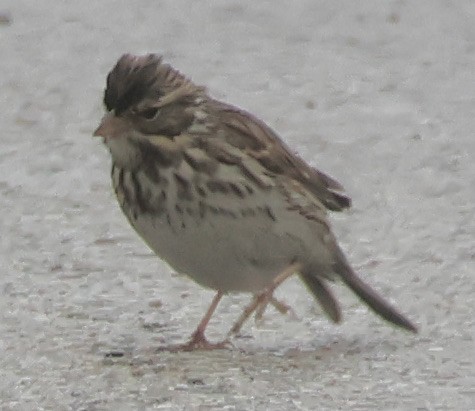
{"points": [[198, 340], [262, 299], [280, 306]]}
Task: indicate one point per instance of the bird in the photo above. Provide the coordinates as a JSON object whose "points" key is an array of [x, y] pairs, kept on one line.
{"points": [[220, 197]]}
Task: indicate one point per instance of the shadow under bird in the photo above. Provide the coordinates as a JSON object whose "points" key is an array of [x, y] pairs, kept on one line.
{"points": [[220, 197]]}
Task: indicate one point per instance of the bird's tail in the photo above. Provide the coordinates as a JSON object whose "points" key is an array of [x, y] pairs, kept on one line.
{"points": [[319, 288], [376, 302]]}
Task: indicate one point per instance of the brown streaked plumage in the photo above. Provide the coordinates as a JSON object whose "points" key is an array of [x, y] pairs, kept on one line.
{"points": [[219, 196]]}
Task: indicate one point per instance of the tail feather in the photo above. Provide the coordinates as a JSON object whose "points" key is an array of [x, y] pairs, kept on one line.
{"points": [[377, 303], [324, 296]]}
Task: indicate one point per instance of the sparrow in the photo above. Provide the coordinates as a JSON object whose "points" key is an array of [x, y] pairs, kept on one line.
{"points": [[220, 197]]}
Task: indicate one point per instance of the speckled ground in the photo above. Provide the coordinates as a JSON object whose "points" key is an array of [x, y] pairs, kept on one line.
{"points": [[379, 94]]}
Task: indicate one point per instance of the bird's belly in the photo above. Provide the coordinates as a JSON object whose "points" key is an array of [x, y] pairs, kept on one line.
{"points": [[224, 241], [220, 251]]}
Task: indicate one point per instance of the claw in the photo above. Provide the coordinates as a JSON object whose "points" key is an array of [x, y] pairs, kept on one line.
{"points": [[198, 341]]}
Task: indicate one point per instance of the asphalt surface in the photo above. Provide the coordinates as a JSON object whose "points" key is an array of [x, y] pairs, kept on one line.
{"points": [[381, 95]]}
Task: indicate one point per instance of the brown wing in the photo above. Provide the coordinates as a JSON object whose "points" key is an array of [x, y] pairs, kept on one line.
{"points": [[248, 133]]}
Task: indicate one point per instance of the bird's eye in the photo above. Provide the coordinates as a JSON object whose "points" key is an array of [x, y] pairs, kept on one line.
{"points": [[148, 113]]}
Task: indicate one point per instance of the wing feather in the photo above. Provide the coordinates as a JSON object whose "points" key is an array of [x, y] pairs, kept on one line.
{"points": [[246, 132]]}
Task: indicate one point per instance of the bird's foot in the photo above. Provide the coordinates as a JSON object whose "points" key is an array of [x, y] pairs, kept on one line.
{"points": [[197, 342]]}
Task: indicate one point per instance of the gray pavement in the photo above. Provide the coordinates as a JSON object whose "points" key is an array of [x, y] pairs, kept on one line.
{"points": [[381, 95]]}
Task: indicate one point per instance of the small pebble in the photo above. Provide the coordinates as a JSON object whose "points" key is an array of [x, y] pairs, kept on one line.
{"points": [[310, 104], [5, 18], [114, 354]]}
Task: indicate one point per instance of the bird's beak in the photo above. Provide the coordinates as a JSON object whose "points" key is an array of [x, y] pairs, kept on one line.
{"points": [[111, 126]]}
